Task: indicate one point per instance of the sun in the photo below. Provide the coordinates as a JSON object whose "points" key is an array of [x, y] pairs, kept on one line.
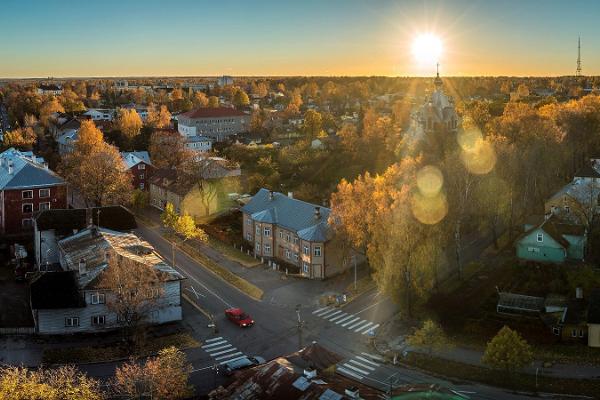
{"points": [[427, 48]]}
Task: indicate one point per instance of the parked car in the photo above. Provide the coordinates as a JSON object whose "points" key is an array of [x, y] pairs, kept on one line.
{"points": [[242, 363], [239, 317]]}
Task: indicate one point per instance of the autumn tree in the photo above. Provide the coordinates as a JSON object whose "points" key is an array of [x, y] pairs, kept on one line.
{"points": [[213, 102], [312, 123], [164, 377], [240, 98], [22, 138], [167, 149], [200, 99], [507, 352], [158, 118], [129, 122], [50, 106], [182, 226], [430, 336], [63, 383]]}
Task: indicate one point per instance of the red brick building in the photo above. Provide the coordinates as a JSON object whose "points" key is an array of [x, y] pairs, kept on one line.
{"points": [[26, 186], [138, 163]]}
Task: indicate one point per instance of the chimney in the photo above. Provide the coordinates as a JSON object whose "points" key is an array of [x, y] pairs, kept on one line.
{"points": [[352, 393], [271, 196], [10, 168], [579, 293], [291, 195], [317, 212], [310, 373], [82, 267]]}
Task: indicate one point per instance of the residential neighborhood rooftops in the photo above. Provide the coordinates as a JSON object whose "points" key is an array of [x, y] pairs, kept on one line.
{"points": [[308, 220], [557, 229], [213, 112], [133, 158], [116, 218], [55, 290], [24, 170]]}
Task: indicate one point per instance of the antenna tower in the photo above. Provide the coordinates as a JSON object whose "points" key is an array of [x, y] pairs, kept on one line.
{"points": [[578, 70]]}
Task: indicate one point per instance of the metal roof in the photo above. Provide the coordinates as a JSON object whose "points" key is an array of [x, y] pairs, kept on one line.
{"points": [[133, 158], [27, 171]]}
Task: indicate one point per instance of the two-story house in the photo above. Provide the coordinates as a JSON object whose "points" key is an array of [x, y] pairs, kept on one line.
{"points": [[74, 299], [138, 163], [282, 228], [216, 123], [27, 186]]}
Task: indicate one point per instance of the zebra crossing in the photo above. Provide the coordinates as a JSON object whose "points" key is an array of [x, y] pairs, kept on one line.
{"points": [[221, 350], [346, 320], [360, 366]]}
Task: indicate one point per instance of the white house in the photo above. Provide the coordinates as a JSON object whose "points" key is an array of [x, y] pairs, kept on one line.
{"points": [[100, 114], [200, 144]]}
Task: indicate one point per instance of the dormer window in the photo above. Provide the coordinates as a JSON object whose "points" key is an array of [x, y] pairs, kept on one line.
{"points": [[540, 237]]}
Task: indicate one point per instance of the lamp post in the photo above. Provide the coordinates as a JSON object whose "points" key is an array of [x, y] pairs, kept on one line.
{"points": [[299, 325]]}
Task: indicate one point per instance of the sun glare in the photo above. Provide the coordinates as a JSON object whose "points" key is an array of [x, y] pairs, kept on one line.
{"points": [[427, 48]]}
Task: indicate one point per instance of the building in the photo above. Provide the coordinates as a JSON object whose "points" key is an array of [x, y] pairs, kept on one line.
{"points": [[62, 123], [27, 186], [220, 179], [138, 163], [100, 114], [72, 300], [51, 226], [217, 123], [224, 80], [292, 231], [200, 144], [50, 88], [552, 240], [66, 141], [578, 201]]}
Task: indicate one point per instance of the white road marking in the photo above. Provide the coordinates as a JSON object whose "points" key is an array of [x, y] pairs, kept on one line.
{"points": [[239, 353], [352, 374], [362, 321], [325, 311], [371, 329], [364, 327], [232, 360], [367, 361], [320, 309], [344, 319], [351, 321], [213, 339], [223, 352], [331, 315], [362, 365], [217, 348], [352, 367], [342, 315], [206, 346], [373, 356]]}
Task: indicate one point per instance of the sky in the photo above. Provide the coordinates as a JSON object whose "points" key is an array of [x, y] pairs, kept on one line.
{"points": [[69, 38]]}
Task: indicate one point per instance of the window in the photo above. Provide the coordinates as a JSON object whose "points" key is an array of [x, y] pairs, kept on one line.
{"points": [[567, 209], [296, 257], [317, 251], [44, 206], [267, 249], [267, 231], [27, 223], [581, 333], [288, 254], [287, 237], [305, 268], [249, 237], [574, 332], [142, 185], [27, 208], [27, 194], [540, 237], [556, 331], [258, 247], [99, 320], [142, 166], [295, 240], [44, 193], [153, 293], [305, 250], [98, 298], [280, 234], [71, 322], [257, 230], [249, 222]]}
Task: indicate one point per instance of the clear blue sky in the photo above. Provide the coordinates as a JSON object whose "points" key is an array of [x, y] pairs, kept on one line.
{"points": [[310, 37]]}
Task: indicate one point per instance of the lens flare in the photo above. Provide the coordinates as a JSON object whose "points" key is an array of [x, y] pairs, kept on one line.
{"points": [[429, 210], [430, 181], [468, 139], [479, 160]]}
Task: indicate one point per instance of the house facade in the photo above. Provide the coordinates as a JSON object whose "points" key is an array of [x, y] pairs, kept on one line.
{"points": [[216, 123], [72, 299], [138, 163], [199, 144], [282, 228], [552, 241], [100, 114], [26, 187]]}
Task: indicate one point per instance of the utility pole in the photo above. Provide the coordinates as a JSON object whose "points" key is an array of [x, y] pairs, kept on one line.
{"points": [[299, 326], [354, 261]]}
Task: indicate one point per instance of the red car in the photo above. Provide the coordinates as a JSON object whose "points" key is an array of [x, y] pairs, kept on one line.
{"points": [[238, 317]]}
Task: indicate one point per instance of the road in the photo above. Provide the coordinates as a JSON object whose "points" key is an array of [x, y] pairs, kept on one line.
{"points": [[344, 331]]}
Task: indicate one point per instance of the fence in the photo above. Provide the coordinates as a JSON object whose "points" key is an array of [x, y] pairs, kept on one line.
{"points": [[25, 330]]}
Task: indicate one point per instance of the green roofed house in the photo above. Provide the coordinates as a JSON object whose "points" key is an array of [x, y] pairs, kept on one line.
{"points": [[281, 228], [551, 240]]}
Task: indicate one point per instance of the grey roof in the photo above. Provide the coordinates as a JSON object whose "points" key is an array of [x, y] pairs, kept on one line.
{"points": [[133, 158], [289, 213], [25, 171]]}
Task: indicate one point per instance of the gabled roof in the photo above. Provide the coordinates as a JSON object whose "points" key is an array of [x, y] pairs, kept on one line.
{"points": [[587, 171], [296, 215], [22, 170], [51, 290], [133, 158], [116, 218], [557, 230], [216, 112]]}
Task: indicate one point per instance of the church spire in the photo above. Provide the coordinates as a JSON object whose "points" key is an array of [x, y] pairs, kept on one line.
{"points": [[438, 81]]}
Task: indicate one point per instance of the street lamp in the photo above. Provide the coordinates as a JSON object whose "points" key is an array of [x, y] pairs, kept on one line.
{"points": [[299, 325]]}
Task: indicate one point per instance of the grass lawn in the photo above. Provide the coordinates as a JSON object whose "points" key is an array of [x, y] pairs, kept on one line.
{"points": [[117, 351], [231, 253]]}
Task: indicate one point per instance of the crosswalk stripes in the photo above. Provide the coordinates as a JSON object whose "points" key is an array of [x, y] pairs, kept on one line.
{"points": [[346, 320], [221, 350], [359, 367]]}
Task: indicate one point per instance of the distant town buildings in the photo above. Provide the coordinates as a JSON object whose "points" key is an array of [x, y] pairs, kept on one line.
{"points": [[50, 88]]}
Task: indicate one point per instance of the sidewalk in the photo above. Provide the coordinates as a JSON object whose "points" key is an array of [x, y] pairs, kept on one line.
{"points": [[279, 289]]}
